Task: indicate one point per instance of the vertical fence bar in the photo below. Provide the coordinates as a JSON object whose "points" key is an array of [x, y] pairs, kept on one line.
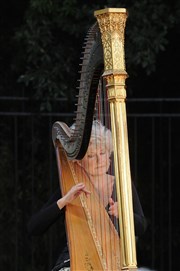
{"points": [[50, 182], [135, 148], [161, 194], [153, 192], [169, 196], [16, 189], [32, 185]]}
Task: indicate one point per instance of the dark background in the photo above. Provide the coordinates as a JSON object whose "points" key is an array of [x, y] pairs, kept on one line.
{"points": [[40, 49]]}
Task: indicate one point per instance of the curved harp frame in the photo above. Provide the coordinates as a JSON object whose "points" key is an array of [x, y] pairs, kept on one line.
{"points": [[76, 144], [112, 25]]}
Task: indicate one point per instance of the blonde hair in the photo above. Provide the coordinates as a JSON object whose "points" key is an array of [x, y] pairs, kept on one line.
{"points": [[100, 135]]}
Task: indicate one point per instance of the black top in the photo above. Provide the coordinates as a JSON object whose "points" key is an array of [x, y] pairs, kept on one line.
{"points": [[50, 213]]}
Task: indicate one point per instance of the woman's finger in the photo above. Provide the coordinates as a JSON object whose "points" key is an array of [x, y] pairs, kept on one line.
{"points": [[86, 191], [111, 201]]}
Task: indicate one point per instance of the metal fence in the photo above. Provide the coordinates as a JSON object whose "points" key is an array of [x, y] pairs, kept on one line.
{"points": [[29, 176]]}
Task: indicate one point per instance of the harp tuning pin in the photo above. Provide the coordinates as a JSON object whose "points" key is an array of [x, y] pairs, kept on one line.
{"points": [[81, 80], [81, 72], [83, 65]]}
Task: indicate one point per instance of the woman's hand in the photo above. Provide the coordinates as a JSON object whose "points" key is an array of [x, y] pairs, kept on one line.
{"points": [[113, 209], [72, 194]]}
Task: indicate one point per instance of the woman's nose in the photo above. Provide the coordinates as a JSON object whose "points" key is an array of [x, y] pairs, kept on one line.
{"points": [[98, 157]]}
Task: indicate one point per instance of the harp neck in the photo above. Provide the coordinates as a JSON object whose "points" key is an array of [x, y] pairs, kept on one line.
{"points": [[75, 143]]}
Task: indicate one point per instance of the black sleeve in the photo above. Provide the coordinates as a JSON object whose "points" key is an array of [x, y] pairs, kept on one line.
{"points": [[139, 218], [49, 214]]}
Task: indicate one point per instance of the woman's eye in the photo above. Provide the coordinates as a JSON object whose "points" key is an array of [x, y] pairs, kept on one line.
{"points": [[91, 156]]}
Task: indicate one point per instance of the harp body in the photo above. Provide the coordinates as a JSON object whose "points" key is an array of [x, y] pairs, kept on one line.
{"points": [[95, 245]]}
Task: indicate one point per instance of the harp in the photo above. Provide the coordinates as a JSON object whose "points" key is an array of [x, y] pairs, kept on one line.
{"points": [[93, 244]]}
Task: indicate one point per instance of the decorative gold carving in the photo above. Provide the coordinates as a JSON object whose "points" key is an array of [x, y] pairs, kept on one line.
{"points": [[116, 87], [87, 262], [112, 25]]}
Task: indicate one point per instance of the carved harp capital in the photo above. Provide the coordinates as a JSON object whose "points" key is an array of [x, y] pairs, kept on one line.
{"points": [[112, 25]]}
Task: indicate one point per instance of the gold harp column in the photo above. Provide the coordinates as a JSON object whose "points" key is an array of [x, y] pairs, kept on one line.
{"points": [[112, 26]]}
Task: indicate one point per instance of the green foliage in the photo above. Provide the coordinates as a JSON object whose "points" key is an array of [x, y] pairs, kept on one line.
{"points": [[147, 33], [50, 42], [52, 38]]}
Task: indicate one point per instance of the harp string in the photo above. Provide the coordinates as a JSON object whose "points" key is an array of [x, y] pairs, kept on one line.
{"points": [[104, 114], [99, 153]]}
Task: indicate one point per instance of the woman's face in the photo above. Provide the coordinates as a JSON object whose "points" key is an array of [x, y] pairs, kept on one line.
{"points": [[96, 161]]}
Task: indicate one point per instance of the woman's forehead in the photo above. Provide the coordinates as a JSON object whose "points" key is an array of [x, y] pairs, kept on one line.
{"points": [[94, 147]]}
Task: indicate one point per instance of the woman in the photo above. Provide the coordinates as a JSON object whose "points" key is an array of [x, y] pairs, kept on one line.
{"points": [[96, 163]]}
